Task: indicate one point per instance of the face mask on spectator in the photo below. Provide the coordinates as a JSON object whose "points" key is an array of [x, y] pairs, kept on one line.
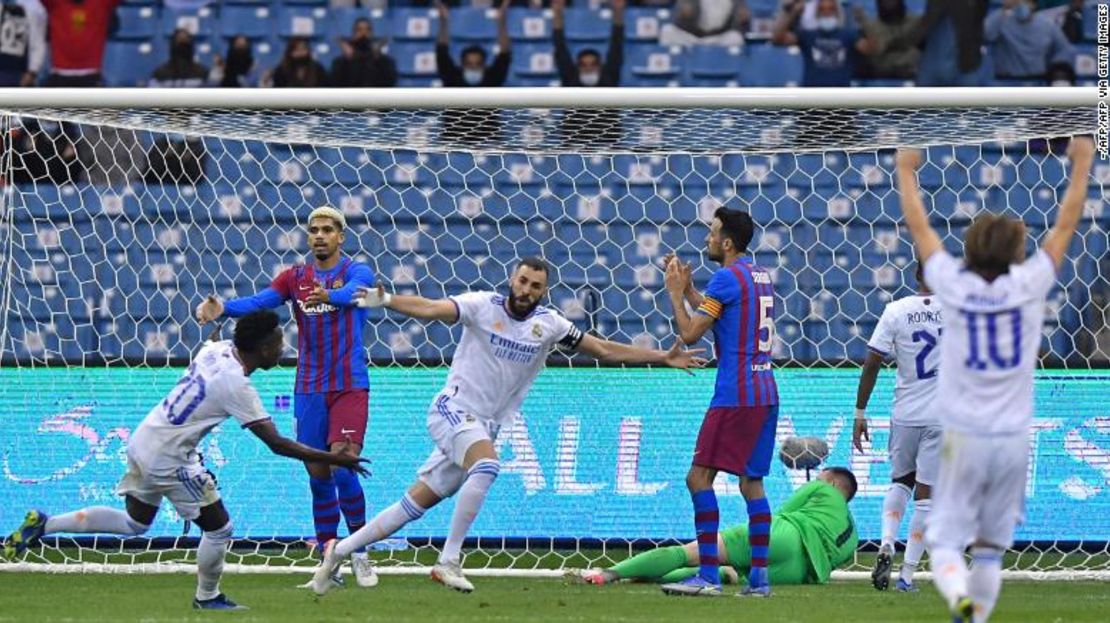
{"points": [[590, 79], [1022, 11], [473, 77], [1061, 83], [827, 23]]}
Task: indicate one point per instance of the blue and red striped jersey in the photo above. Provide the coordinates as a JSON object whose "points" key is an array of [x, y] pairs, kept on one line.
{"points": [[741, 300]]}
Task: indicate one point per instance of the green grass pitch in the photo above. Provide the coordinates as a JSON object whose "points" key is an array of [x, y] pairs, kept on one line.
{"points": [[41, 597]]}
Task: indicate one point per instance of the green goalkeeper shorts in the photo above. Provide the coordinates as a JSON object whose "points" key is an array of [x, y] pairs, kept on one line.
{"points": [[787, 562]]}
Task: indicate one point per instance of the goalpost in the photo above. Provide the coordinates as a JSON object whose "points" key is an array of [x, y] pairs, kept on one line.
{"points": [[121, 209]]}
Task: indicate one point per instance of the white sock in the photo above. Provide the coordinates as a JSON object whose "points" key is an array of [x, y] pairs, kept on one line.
{"points": [[985, 581], [470, 498], [915, 545], [382, 525], [894, 508], [96, 519], [949, 574], [210, 561]]}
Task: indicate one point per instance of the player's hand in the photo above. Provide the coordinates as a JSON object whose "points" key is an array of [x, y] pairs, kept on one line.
{"points": [[441, 8], [1081, 149], [210, 309], [319, 295], [353, 462], [910, 159], [677, 277], [859, 432], [685, 359], [376, 297]]}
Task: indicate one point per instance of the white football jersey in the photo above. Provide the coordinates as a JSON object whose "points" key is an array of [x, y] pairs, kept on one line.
{"points": [[992, 333], [499, 357], [909, 332], [213, 389]]}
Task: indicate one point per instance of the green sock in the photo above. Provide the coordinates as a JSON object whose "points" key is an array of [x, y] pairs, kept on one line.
{"points": [[652, 564], [678, 575]]}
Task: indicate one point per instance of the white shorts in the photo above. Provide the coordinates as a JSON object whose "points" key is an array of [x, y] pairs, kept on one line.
{"points": [[980, 491], [189, 489], [454, 431], [915, 450]]}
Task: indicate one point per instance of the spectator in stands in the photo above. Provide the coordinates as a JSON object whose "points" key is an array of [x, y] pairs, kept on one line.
{"points": [[829, 51], [707, 22], [78, 33], [1071, 21], [182, 70], [474, 72], [887, 52], [297, 68], [238, 69], [1025, 44], [589, 70], [22, 56], [951, 32], [362, 62]]}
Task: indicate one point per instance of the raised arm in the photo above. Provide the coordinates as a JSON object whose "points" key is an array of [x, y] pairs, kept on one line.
{"points": [[867, 378], [614, 58], [1081, 151], [444, 36], [568, 73], [284, 446], [444, 310], [783, 27], [504, 44], [925, 239], [615, 352]]}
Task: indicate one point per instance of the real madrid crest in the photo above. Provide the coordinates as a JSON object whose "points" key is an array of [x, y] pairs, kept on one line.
{"points": [[537, 331]]}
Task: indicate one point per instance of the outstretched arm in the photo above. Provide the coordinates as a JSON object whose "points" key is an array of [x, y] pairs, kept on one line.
{"points": [[1081, 151], [615, 352], [925, 239], [444, 310], [284, 446], [212, 308], [867, 378]]}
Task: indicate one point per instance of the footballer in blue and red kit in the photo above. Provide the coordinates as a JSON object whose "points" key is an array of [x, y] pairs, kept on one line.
{"points": [[331, 392], [737, 435]]}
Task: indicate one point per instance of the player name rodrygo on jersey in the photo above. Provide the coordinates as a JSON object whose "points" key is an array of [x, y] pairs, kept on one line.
{"points": [[909, 332]]}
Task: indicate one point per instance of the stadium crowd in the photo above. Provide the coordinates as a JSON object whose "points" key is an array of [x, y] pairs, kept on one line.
{"points": [[337, 43]]}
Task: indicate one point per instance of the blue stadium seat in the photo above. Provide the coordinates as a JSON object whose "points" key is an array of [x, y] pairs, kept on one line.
{"points": [[130, 63], [255, 22], [1086, 60], [201, 22], [529, 25], [62, 338], [585, 25], [414, 59], [772, 66], [643, 24], [137, 22], [1090, 21], [302, 21], [342, 20], [706, 61], [534, 61], [415, 24], [473, 24]]}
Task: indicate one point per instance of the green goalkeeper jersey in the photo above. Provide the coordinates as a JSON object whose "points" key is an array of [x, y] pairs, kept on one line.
{"points": [[820, 514]]}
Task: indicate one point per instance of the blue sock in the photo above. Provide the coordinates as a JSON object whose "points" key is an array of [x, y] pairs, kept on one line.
{"points": [[759, 537], [706, 521], [325, 509], [351, 500]]}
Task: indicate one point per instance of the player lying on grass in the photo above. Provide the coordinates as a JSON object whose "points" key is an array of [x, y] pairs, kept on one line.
{"points": [[162, 460], [994, 301], [504, 345], [811, 534]]}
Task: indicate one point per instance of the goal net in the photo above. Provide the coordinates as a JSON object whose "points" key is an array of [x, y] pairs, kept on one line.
{"points": [[121, 210]]}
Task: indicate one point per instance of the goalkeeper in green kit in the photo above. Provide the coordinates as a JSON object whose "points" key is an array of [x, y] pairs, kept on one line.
{"points": [[811, 534]]}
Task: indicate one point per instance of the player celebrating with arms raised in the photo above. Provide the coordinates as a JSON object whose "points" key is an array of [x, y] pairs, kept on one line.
{"points": [[331, 395], [738, 433], [994, 302], [909, 331], [504, 345], [162, 459]]}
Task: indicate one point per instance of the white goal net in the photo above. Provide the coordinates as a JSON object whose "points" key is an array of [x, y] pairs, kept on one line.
{"points": [[120, 211]]}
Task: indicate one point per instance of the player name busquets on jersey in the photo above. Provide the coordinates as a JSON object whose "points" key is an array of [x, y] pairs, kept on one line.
{"points": [[994, 303]]}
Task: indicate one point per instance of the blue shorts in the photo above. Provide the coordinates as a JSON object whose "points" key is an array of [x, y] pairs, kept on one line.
{"points": [[324, 418]]}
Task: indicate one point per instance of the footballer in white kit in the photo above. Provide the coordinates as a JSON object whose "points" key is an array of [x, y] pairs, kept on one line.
{"points": [[994, 301], [908, 332], [504, 346], [162, 459]]}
